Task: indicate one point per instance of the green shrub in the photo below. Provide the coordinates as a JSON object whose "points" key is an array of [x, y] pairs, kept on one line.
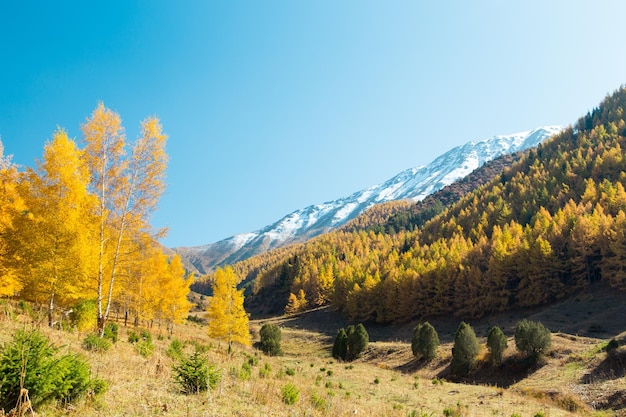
{"points": [[46, 376], [145, 348], [350, 343], [340, 347], [270, 339], [464, 351], [532, 338], [357, 341], [265, 371], [193, 374], [146, 335], [84, 315], [318, 402], [291, 394], [175, 349], [290, 371], [496, 343], [111, 332], [133, 337], [95, 343], [425, 341], [245, 372]]}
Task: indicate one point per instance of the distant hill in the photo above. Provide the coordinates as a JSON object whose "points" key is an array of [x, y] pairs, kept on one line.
{"points": [[412, 184]]}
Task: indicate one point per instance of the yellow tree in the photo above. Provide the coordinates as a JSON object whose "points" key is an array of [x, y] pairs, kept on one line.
{"points": [[10, 203], [50, 239], [174, 289], [228, 321], [128, 189]]}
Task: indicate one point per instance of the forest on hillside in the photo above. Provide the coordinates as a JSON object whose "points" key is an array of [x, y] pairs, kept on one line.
{"points": [[552, 224]]}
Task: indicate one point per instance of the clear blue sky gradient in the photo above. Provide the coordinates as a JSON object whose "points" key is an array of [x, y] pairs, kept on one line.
{"points": [[271, 106]]}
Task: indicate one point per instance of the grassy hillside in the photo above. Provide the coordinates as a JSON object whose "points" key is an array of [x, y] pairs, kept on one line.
{"points": [[575, 377]]}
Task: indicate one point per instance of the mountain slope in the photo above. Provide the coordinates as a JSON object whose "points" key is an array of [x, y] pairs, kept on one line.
{"points": [[413, 184], [551, 225]]}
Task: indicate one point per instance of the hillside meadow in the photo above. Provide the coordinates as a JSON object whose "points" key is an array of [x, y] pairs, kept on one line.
{"points": [[576, 378]]}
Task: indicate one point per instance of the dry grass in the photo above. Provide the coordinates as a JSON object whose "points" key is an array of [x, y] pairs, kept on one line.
{"points": [[384, 382]]}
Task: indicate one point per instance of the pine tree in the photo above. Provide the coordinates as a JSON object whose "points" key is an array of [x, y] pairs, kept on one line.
{"points": [[425, 341], [270, 339], [228, 321], [358, 339], [496, 343], [532, 338], [465, 350], [340, 347]]}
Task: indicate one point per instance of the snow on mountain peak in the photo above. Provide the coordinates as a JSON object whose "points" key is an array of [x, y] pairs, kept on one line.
{"points": [[414, 184]]}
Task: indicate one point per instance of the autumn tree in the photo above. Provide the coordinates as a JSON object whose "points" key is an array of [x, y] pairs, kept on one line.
{"points": [[10, 203], [227, 319], [51, 236], [127, 188]]}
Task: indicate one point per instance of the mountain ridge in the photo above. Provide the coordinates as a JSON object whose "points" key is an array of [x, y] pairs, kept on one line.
{"points": [[412, 184]]}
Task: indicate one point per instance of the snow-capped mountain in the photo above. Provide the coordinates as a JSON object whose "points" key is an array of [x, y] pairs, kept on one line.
{"points": [[413, 184]]}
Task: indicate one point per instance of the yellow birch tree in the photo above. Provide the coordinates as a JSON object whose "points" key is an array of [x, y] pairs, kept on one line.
{"points": [[128, 189], [228, 321]]}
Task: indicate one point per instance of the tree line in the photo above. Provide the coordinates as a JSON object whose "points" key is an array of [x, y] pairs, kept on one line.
{"points": [[76, 227]]}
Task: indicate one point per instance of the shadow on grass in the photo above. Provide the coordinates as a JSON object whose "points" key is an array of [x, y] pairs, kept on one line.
{"points": [[512, 370], [612, 367], [412, 366]]}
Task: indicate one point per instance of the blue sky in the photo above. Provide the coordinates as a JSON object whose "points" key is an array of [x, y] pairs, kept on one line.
{"points": [[271, 106]]}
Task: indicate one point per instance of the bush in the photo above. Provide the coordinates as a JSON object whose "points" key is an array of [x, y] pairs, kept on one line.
{"points": [[357, 341], [496, 343], [425, 341], [95, 343], [193, 374], [270, 339], [111, 331], [350, 343], [291, 394], [464, 351], [175, 349], [133, 337], [46, 377], [532, 338], [145, 348], [340, 347], [84, 315]]}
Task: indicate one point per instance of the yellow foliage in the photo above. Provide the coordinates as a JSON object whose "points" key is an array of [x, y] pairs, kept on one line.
{"points": [[227, 319]]}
